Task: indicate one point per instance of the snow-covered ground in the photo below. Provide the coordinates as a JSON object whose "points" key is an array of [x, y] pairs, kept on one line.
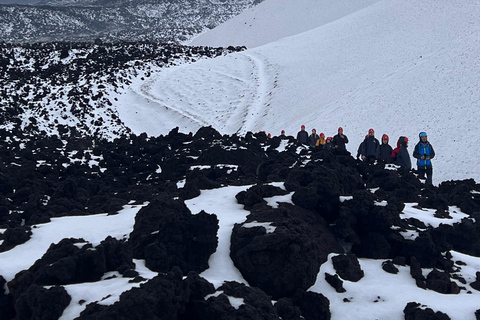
{"points": [[378, 295], [399, 67]]}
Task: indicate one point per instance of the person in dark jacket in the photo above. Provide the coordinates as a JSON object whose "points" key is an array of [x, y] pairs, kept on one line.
{"points": [[302, 135], [313, 138], [384, 151], [403, 158], [282, 135], [369, 149], [424, 154], [340, 140], [360, 148], [329, 144]]}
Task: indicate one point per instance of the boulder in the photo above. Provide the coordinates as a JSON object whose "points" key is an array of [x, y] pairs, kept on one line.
{"points": [[286, 259], [166, 234], [348, 267], [415, 311]]}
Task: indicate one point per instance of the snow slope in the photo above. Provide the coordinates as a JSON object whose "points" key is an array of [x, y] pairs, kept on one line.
{"points": [[399, 67], [275, 19]]}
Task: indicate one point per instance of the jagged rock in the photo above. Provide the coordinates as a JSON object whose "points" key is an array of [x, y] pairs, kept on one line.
{"points": [[198, 286], [389, 267], [67, 263], [287, 311], [6, 302], [286, 259], [314, 306], [476, 284], [460, 194], [414, 311], [255, 194], [348, 267], [166, 234], [15, 236], [117, 255], [335, 282], [440, 282], [207, 134], [416, 273], [236, 301], [306, 197], [41, 303], [163, 297], [373, 245], [400, 184]]}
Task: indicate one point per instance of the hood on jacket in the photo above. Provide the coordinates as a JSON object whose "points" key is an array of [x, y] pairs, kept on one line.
{"points": [[402, 141]]}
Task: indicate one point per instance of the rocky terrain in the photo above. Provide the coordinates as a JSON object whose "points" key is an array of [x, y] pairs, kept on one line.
{"points": [[46, 86], [65, 153], [155, 20], [335, 210]]}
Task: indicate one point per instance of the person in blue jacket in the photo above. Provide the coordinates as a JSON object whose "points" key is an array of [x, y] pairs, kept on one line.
{"points": [[424, 154]]}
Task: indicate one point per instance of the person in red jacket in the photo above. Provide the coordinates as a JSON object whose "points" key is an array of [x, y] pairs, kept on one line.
{"points": [[395, 151]]}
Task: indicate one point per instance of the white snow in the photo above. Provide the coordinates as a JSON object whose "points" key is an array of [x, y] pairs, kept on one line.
{"points": [[381, 295], [92, 228], [425, 215], [400, 67]]}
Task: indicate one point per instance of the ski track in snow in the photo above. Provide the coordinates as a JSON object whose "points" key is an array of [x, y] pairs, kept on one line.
{"points": [[230, 97]]}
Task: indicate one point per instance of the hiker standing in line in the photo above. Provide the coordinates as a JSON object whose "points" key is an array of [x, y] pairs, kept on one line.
{"points": [[403, 158], [369, 149], [302, 135], [384, 151], [313, 138], [340, 140], [424, 154]]}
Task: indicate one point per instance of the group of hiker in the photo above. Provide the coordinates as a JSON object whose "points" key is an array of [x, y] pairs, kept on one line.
{"points": [[371, 150], [320, 141]]}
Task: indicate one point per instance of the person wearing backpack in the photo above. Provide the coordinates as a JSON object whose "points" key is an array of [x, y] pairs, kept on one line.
{"points": [[424, 154]]}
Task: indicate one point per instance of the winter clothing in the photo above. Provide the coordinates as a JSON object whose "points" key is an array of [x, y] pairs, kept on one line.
{"points": [[424, 152], [403, 158], [322, 141], [384, 151], [340, 140], [395, 151], [369, 148], [360, 148], [312, 140], [302, 136], [329, 144]]}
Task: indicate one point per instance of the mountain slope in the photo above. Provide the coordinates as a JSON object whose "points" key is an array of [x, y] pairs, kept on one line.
{"points": [[398, 67], [275, 19], [160, 20]]}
